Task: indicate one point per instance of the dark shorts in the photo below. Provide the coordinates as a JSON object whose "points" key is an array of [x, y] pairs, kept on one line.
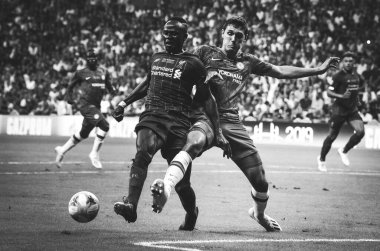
{"points": [[340, 115], [238, 137], [91, 116], [200, 122], [171, 127]]}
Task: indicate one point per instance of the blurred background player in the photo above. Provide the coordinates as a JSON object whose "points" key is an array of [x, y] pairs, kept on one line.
{"points": [[166, 120], [91, 84], [345, 89], [233, 68]]}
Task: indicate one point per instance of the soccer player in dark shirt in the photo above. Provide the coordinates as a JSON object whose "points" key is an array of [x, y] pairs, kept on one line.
{"points": [[345, 89], [91, 84], [232, 68], [165, 122]]}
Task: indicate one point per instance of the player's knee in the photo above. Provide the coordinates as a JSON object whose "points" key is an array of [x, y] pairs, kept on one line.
{"points": [[195, 144], [195, 148], [104, 125], [84, 132], [360, 133]]}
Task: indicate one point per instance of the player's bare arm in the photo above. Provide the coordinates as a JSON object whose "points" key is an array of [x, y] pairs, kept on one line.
{"points": [[288, 71], [111, 89], [138, 93], [333, 94], [74, 81]]}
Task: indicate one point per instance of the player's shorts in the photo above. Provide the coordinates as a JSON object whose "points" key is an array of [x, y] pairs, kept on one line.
{"points": [[91, 116], [200, 122], [340, 115], [238, 137], [170, 126]]}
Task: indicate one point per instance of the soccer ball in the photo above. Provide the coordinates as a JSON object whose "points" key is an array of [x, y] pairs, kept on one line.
{"points": [[84, 206]]}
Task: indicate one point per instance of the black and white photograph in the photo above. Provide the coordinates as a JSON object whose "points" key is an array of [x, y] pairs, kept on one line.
{"points": [[190, 125]]}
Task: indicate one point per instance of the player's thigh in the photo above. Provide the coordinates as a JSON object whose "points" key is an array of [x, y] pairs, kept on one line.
{"points": [[200, 138], [239, 139], [148, 141], [336, 122], [91, 115], [86, 128]]}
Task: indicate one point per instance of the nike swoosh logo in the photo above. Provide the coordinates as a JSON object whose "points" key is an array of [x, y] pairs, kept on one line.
{"points": [[216, 59], [88, 78]]}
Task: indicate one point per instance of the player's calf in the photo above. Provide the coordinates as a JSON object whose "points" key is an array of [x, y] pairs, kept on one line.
{"points": [[190, 221]]}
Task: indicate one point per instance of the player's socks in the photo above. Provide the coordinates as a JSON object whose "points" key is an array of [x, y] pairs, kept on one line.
{"points": [[188, 200], [98, 142], [73, 141], [325, 148], [137, 176], [256, 212], [61, 150], [136, 183], [176, 170]]}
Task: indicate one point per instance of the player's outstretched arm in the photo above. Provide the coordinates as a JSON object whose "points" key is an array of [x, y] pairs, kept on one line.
{"points": [[139, 92], [287, 71]]}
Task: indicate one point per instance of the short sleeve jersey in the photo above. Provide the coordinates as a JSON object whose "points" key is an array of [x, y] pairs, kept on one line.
{"points": [[235, 74], [91, 85], [171, 79], [343, 81]]}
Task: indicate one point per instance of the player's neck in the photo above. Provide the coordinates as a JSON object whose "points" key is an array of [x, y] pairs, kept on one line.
{"points": [[230, 54], [348, 71], [176, 52]]}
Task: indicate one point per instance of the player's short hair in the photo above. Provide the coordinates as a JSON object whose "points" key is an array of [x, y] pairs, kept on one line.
{"points": [[180, 20], [237, 21], [349, 54], [90, 53]]}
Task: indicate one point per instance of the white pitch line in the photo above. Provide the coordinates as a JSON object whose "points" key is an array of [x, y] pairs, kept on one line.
{"points": [[169, 244], [289, 169], [194, 171], [83, 162], [206, 171]]}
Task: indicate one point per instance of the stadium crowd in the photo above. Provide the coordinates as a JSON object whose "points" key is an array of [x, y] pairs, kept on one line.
{"points": [[44, 42]]}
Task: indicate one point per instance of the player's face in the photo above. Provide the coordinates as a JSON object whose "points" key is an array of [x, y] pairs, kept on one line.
{"points": [[174, 36], [348, 63], [233, 38], [92, 62]]}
